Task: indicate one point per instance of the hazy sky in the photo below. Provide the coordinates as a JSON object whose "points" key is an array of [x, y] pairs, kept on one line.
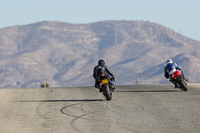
{"points": [[183, 16]]}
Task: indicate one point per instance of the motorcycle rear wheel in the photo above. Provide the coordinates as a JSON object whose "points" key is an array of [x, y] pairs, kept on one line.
{"points": [[107, 93], [183, 85]]}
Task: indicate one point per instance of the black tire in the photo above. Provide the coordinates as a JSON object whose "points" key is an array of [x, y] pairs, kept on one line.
{"points": [[183, 85], [107, 93]]}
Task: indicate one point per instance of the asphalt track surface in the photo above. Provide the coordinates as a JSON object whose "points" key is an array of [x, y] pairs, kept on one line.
{"points": [[133, 109]]}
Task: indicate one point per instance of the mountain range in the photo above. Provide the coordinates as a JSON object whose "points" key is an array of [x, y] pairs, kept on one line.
{"points": [[64, 54]]}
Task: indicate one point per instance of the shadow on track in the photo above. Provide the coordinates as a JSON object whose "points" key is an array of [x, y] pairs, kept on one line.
{"points": [[151, 91], [75, 100]]}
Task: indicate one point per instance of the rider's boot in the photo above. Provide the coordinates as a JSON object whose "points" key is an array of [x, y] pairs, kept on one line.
{"points": [[175, 84], [113, 88], [96, 85]]}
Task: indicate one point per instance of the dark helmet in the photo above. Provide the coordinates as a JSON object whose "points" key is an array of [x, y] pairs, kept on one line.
{"points": [[101, 62]]}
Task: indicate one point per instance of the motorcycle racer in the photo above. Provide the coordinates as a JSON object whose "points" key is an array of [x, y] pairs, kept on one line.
{"points": [[169, 69], [101, 68]]}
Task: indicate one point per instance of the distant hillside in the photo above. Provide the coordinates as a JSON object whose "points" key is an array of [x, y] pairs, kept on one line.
{"points": [[64, 54]]}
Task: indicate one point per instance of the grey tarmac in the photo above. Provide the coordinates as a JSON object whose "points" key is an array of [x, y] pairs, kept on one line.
{"points": [[133, 109]]}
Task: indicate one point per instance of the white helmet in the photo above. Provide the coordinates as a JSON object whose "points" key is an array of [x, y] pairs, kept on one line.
{"points": [[169, 61]]}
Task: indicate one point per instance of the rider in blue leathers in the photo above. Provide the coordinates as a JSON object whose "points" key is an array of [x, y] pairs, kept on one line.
{"points": [[170, 68]]}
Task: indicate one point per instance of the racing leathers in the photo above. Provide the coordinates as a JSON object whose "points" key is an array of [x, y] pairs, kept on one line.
{"points": [[101, 69], [169, 69]]}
